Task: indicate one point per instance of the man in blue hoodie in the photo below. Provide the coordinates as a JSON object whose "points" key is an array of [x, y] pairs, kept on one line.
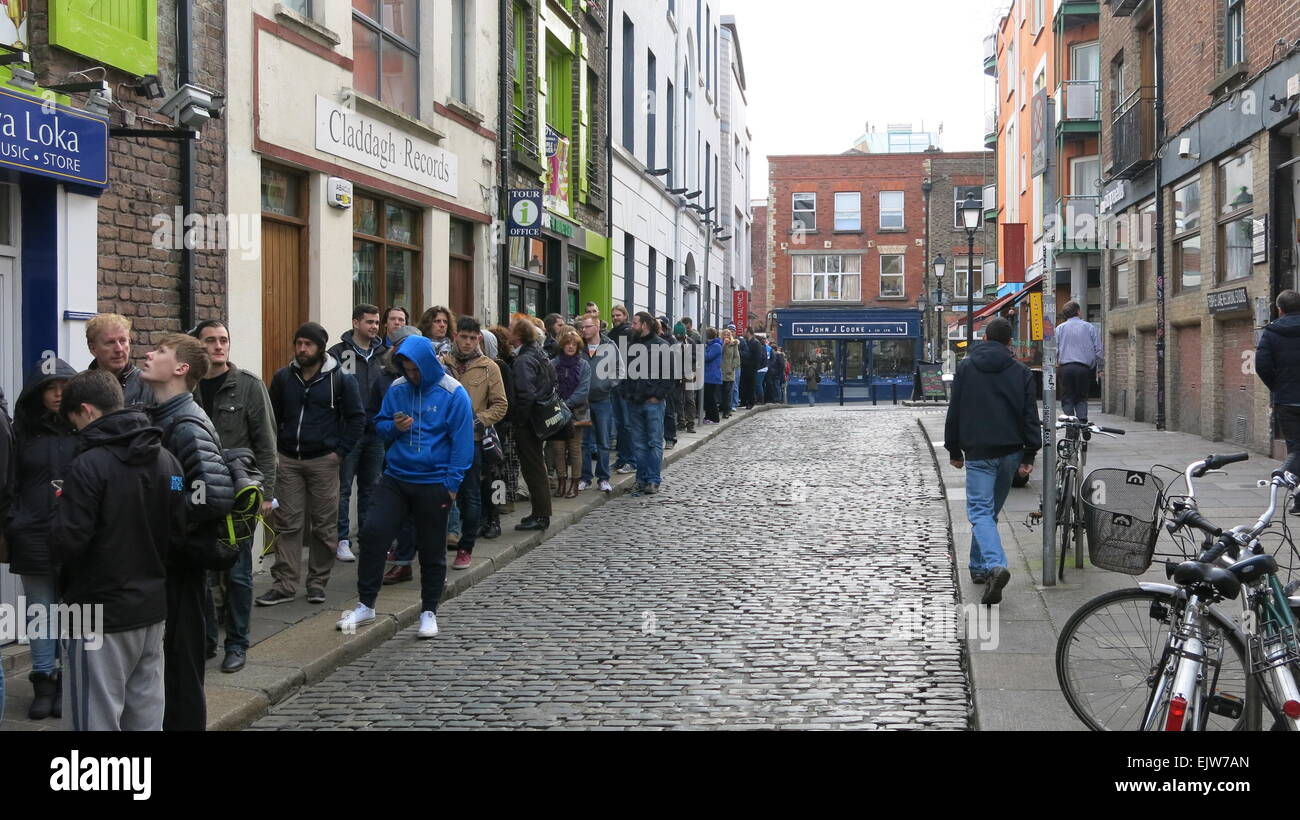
{"points": [[428, 419]]}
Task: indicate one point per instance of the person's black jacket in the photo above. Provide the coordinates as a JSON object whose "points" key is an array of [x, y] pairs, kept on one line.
{"points": [[47, 444], [776, 369], [364, 367], [508, 381], [993, 411], [534, 379], [637, 385], [1277, 359], [120, 515], [753, 355], [189, 435], [135, 393], [323, 416], [619, 331]]}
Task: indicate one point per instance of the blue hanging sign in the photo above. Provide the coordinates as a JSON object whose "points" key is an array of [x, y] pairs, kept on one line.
{"points": [[53, 140]]}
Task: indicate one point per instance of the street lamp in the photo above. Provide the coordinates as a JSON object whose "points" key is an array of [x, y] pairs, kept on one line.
{"points": [[940, 265], [970, 218]]}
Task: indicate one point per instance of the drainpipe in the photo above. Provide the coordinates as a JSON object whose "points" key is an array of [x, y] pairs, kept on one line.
{"points": [[506, 31], [1160, 213], [184, 57], [609, 150], [926, 187]]}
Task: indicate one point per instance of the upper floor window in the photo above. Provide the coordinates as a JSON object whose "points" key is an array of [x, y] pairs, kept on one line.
{"points": [[386, 52], [827, 277], [891, 210], [1234, 33], [848, 211], [1236, 223], [460, 50], [959, 195], [803, 212], [303, 7]]}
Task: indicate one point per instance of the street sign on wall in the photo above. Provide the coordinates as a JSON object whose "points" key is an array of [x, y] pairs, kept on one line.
{"points": [[740, 310], [1036, 316]]}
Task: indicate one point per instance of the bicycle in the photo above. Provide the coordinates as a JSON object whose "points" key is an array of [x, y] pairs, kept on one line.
{"points": [[1071, 458], [1210, 672]]}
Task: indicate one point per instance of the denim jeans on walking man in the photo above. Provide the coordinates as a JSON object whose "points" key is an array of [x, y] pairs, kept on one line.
{"points": [[595, 440], [646, 421], [988, 481], [364, 463]]}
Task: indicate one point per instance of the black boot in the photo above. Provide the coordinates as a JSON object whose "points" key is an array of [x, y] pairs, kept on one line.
{"points": [[57, 709], [43, 704], [531, 523], [493, 526]]}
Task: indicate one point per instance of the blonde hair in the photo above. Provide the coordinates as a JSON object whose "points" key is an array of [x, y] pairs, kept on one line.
{"points": [[103, 322]]}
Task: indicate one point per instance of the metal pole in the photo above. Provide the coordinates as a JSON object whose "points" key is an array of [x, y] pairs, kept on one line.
{"points": [[1159, 25], [970, 290], [1049, 373]]}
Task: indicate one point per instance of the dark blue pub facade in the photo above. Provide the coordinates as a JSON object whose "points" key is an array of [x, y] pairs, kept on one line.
{"points": [[860, 355]]}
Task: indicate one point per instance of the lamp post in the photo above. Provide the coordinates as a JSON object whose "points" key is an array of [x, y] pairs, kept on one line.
{"points": [[970, 218], [922, 307], [940, 265]]}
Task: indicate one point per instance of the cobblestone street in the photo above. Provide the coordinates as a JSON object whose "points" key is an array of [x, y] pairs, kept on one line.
{"points": [[763, 587]]}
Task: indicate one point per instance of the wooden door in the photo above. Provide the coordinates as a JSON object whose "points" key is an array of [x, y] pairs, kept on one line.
{"points": [[460, 272], [284, 293]]}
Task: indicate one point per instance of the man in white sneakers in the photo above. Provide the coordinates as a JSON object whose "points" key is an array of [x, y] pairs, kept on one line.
{"points": [[428, 419]]}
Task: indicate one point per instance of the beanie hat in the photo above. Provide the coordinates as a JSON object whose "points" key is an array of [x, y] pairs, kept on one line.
{"points": [[679, 329], [314, 333]]}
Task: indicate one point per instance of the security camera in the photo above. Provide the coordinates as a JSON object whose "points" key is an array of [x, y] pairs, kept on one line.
{"points": [[1185, 149], [191, 106]]}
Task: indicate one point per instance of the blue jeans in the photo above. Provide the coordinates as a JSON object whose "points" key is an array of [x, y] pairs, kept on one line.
{"points": [[646, 423], [595, 440], [43, 591], [626, 449], [469, 505], [239, 601], [364, 463], [988, 481]]}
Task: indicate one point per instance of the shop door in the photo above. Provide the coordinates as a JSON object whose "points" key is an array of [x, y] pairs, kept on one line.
{"points": [[1145, 408], [855, 370], [1117, 354], [1187, 380], [460, 297], [1238, 422], [284, 294]]}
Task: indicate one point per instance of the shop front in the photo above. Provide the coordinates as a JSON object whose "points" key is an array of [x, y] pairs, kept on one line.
{"points": [[859, 355], [559, 271]]}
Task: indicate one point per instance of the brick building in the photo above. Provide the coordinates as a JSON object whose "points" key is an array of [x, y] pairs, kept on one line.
{"points": [[1214, 177], [954, 177]]}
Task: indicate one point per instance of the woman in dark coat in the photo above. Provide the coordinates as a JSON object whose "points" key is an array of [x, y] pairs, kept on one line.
{"points": [[47, 444], [534, 379]]}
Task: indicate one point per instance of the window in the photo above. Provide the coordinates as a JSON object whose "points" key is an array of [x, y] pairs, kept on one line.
{"points": [[629, 86], [1143, 242], [827, 277], [708, 50], [803, 212], [1187, 208], [708, 175], [891, 276], [629, 272], [1234, 34], [891, 210], [385, 254], [303, 7], [1117, 80], [960, 276], [1236, 199], [559, 87], [521, 114], [848, 211], [651, 138], [1187, 261], [959, 195], [460, 50], [386, 52], [653, 267], [892, 358], [1119, 274], [1037, 21], [671, 136]]}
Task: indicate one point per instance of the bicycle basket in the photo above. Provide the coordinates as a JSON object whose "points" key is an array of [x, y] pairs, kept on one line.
{"points": [[1121, 516]]}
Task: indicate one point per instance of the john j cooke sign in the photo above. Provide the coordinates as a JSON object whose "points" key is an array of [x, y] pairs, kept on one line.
{"points": [[374, 144], [53, 140], [824, 330]]}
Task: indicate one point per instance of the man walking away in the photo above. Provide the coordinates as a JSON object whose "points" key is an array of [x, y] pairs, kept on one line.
{"points": [[1277, 361], [319, 418], [1078, 349], [240, 408], [358, 355], [108, 336], [120, 513], [429, 419], [173, 370], [993, 431]]}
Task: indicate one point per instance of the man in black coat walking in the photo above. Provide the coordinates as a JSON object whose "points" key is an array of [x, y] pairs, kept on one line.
{"points": [[1277, 362]]}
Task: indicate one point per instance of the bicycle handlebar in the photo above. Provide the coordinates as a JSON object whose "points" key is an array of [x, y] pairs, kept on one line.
{"points": [[1213, 462]]}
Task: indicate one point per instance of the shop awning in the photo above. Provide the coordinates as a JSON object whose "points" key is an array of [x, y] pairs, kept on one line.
{"points": [[1009, 300]]}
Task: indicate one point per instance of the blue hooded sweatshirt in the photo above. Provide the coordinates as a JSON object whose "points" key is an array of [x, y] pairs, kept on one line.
{"points": [[439, 447]]}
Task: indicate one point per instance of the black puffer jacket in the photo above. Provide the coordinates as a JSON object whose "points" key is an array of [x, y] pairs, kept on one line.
{"points": [[46, 447], [1277, 359], [534, 380], [118, 520], [189, 435]]}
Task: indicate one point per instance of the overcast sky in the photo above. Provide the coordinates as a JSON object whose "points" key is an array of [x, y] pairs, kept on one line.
{"points": [[818, 70]]}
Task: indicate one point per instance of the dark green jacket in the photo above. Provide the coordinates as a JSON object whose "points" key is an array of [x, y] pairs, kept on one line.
{"points": [[243, 418]]}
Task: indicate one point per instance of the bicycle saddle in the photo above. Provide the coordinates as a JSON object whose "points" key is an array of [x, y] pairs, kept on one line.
{"points": [[1196, 574], [1254, 568]]}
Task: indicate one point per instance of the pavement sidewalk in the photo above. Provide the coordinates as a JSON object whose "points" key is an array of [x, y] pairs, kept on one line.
{"points": [[1015, 685], [296, 644]]}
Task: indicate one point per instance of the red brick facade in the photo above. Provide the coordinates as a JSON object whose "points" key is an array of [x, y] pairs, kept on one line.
{"points": [[758, 301]]}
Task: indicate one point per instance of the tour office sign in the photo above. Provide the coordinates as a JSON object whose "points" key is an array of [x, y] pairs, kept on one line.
{"points": [[41, 137], [345, 133], [525, 215]]}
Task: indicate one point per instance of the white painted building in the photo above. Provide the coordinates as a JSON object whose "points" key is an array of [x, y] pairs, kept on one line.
{"points": [[737, 215], [669, 72], [402, 109]]}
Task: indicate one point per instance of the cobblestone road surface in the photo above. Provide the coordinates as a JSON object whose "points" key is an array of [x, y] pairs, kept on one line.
{"points": [[763, 587]]}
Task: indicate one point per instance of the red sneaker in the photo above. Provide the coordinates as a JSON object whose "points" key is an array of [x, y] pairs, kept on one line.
{"points": [[463, 559]]}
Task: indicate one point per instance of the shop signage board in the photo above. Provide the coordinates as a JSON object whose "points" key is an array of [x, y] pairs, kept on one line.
{"points": [[740, 310], [932, 385], [826, 330], [367, 141], [1259, 240], [525, 212], [557, 172], [52, 140], [1226, 301], [1036, 316]]}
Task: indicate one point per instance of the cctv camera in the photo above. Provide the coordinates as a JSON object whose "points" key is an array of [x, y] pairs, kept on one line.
{"points": [[191, 106], [1185, 149]]}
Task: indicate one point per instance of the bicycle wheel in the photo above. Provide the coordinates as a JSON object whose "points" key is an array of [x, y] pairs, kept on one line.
{"points": [[1065, 519], [1109, 654]]}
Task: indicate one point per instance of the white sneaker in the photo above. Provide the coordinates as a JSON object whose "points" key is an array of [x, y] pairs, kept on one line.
{"points": [[344, 553], [626, 470], [582, 485], [605, 486], [428, 625], [362, 614]]}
